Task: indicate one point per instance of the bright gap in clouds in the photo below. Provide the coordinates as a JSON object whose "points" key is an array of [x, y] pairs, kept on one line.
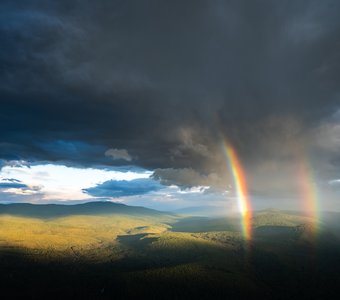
{"points": [[58, 182], [50, 183]]}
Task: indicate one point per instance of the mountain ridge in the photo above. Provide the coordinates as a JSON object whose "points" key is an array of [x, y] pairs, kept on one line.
{"points": [[88, 208]]}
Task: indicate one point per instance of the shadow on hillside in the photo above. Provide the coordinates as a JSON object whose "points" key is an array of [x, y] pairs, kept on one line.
{"points": [[136, 241], [28, 275], [146, 273]]}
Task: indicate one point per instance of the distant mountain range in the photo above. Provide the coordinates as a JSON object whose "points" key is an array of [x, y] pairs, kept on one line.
{"points": [[60, 210]]}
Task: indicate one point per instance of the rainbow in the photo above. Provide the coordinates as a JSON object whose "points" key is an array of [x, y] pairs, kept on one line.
{"points": [[241, 189], [308, 191]]}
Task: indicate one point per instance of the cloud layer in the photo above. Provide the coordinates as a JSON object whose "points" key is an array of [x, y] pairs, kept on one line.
{"points": [[163, 83]]}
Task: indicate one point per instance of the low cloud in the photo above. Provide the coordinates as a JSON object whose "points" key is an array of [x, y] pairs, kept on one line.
{"points": [[118, 154], [121, 188]]}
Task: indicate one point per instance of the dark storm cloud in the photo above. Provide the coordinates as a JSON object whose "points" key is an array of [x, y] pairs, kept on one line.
{"points": [[168, 80], [187, 178]]}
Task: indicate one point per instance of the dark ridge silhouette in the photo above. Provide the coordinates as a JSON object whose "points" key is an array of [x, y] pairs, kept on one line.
{"points": [[90, 208]]}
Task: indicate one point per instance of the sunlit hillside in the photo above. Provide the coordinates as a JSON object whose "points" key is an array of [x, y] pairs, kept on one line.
{"points": [[164, 255]]}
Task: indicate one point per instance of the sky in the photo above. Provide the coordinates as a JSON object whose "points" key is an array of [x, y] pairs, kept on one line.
{"points": [[132, 101]]}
